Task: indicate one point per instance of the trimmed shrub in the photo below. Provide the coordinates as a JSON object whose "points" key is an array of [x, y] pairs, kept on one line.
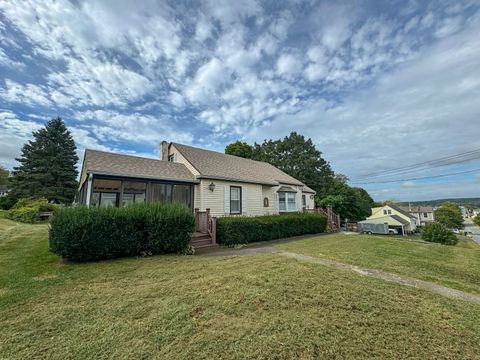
{"points": [[436, 232], [27, 210], [234, 230], [90, 234]]}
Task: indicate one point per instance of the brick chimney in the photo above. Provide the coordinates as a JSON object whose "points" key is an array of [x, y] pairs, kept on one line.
{"points": [[164, 151]]}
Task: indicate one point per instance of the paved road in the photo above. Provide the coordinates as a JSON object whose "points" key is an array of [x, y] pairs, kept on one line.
{"points": [[469, 226]]}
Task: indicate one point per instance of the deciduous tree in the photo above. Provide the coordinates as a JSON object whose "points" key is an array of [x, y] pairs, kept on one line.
{"points": [[239, 148], [449, 215]]}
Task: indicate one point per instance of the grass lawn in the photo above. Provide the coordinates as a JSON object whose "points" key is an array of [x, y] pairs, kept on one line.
{"points": [[178, 307], [457, 266]]}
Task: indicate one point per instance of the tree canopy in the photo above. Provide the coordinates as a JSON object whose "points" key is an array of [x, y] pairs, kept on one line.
{"points": [[449, 215], [298, 157], [47, 165], [239, 148], [352, 203], [476, 220]]}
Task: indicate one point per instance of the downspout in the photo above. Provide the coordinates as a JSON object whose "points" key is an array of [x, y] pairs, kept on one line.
{"points": [[89, 189]]}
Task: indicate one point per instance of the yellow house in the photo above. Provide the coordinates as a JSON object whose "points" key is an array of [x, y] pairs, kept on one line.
{"points": [[395, 217]]}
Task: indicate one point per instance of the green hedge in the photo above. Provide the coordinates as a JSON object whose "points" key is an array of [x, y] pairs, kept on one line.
{"points": [[242, 229], [89, 234], [27, 210]]}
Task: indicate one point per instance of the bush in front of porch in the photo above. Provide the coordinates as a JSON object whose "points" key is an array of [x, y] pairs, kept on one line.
{"points": [[90, 234], [235, 230]]}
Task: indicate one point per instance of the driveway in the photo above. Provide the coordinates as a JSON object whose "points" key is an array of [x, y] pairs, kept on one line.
{"points": [[470, 226]]}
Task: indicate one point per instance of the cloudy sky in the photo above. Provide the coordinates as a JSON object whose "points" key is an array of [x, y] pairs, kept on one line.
{"points": [[376, 85]]}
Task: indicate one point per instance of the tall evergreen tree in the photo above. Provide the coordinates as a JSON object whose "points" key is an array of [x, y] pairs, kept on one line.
{"points": [[47, 165]]}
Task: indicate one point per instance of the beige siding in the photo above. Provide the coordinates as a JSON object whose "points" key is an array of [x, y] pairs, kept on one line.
{"points": [[196, 197], [269, 192], [83, 177], [181, 159], [215, 200], [310, 200]]}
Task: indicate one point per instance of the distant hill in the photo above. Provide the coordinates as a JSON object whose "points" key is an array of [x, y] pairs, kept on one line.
{"points": [[475, 202]]}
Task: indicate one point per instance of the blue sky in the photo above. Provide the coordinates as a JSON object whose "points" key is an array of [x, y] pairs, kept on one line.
{"points": [[375, 84]]}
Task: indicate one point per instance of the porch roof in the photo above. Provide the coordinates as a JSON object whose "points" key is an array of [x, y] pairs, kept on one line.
{"points": [[106, 163]]}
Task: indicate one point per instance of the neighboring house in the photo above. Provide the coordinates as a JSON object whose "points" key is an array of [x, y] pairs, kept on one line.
{"points": [[200, 179], [395, 217], [3, 190], [423, 214]]}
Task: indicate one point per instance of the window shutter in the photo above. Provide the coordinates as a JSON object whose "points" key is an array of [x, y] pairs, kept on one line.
{"points": [[244, 200], [277, 205], [227, 199]]}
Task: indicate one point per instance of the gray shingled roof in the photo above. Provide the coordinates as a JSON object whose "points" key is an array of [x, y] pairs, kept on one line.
{"points": [[286, 189], [402, 212], [417, 209], [400, 219], [306, 189], [215, 165], [106, 163]]}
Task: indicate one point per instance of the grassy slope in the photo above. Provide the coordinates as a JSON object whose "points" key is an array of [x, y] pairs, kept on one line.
{"points": [[457, 267], [207, 307]]}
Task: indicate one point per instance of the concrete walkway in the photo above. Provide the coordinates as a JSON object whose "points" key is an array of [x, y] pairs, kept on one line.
{"points": [[268, 248]]}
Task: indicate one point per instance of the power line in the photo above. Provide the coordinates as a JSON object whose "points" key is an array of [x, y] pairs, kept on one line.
{"points": [[415, 178], [420, 169], [444, 161]]}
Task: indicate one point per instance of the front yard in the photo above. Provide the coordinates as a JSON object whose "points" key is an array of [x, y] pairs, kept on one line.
{"points": [[260, 306], [457, 266]]}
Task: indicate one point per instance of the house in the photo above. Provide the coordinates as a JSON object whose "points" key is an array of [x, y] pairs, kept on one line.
{"points": [[3, 190], [395, 217], [201, 179], [423, 214]]}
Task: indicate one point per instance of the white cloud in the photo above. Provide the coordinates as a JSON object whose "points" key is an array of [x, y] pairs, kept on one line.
{"points": [[344, 74], [137, 128], [207, 81], [30, 94], [288, 65], [426, 109], [9, 63], [91, 82]]}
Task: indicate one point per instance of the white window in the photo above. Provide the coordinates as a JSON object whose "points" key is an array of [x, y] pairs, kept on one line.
{"points": [[384, 212], [235, 200], [287, 201], [389, 212], [282, 203]]}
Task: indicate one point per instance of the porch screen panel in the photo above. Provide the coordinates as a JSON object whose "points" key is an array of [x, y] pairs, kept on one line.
{"points": [[105, 192], [134, 193], [161, 192], [182, 194]]}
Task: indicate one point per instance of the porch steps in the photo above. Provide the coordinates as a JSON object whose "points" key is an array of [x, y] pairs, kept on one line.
{"points": [[201, 240]]}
